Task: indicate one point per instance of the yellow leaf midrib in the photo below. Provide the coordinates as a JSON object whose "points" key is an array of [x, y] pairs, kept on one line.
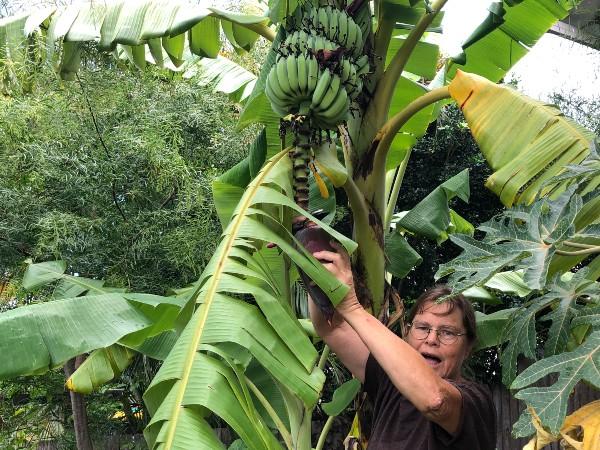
{"points": [[189, 360]]}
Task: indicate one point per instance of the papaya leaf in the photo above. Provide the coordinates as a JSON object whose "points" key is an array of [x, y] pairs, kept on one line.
{"points": [[521, 336], [590, 316], [550, 403], [342, 397], [524, 426], [523, 238], [561, 297]]}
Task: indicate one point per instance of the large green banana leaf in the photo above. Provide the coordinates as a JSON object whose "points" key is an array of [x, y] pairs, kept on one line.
{"points": [[53, 332], [112, 321], [166, 30], [193, 380]]}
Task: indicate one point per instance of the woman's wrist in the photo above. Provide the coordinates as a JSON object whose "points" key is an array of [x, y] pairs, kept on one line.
{"points": [[349, 305]]}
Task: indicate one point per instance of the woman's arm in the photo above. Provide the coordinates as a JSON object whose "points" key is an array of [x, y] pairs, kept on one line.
{"points": [[436, 398], [342, 340]]}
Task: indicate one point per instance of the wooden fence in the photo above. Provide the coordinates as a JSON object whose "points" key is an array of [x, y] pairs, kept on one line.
{"points": [[508, 410]]}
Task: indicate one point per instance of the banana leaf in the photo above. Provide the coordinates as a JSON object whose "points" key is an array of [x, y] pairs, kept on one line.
{"points": [[525, 142], [192, 380], [174, 26]]}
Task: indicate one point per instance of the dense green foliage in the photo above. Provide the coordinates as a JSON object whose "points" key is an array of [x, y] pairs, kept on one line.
{"points": [[129, 201], [114, 200]]}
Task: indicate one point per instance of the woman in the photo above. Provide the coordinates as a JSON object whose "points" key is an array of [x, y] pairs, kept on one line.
{"points": [[421, 401]]}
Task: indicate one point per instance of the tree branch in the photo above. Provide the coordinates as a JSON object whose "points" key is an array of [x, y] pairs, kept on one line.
{"points": [[102, 143]]}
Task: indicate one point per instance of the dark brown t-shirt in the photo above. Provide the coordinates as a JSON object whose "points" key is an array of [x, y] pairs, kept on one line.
{"points": [[398, 425]]}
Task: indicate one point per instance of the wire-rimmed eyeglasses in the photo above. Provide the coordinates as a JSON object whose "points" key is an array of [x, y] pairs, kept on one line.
{"points": [[444, 335]]}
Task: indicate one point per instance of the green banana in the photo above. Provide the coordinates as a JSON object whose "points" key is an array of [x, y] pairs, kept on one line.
{"points": [[302, 74], [321, 88], [337, 110], [282, 76], [313, 74], [277, 107], [331, 94], [292, 73], [343, 28], [323, 20], [275, 87], [362, 65], [333, 23]]}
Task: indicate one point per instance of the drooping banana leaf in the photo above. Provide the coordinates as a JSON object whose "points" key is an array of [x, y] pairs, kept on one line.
{"points": [[100, 366], [110, 319], [51, 333], [191, 380], [503, 38], [525, 142], [166, 28]]}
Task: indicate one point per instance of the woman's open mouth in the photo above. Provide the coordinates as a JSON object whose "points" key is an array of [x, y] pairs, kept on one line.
{"points": [[432, 360]]}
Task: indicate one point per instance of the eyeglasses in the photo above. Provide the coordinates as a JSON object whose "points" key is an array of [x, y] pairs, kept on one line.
{"points": [[445, 336]]}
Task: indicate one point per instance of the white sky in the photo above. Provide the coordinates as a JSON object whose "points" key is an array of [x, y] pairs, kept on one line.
{"points": [[553, 64]]}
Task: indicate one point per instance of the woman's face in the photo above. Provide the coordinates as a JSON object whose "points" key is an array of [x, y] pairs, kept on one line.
{"points": [[445, 359]]}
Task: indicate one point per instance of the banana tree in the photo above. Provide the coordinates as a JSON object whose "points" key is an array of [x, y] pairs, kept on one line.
{"points": [[344, 94]]}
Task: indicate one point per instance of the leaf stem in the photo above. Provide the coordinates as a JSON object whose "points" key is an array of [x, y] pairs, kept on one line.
{"points": [[393, 198], [577, 244], [388, 131], [261, 29], [285, 434], [324, 356], [360, 209], [324, 433], [586, 251]]}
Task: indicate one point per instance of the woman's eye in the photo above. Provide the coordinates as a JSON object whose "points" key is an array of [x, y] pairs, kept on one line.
{"points": [[447, 333]]}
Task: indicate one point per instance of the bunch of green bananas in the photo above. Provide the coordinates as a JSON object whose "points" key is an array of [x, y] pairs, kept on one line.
{"points": [[319, 70]]}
